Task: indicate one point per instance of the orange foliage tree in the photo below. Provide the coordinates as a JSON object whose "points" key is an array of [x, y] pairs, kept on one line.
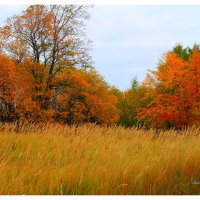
{"points": [[174, 91], [30, 84], [76, 96], [83, 96], [47, 74], [52, 35], [7, 89]]}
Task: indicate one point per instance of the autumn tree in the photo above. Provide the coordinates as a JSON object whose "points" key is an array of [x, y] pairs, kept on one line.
{"points": [[76, 96], [174, 91], [30, 89], [53, 76], [53, 36], [22, 86], [4, 34], [83, 96], [7, 90], [50, 34]]}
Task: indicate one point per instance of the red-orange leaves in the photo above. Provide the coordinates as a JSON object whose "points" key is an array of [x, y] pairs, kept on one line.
{"points": [[30, 90], [84, 97], [7, 89], [51, 80], [175, 94]]}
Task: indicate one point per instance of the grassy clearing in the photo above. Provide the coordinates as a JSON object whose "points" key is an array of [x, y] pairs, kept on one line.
{"points": [[98, 160]]}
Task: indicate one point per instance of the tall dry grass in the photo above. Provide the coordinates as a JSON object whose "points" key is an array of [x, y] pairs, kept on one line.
{"points": [[91, 159]]}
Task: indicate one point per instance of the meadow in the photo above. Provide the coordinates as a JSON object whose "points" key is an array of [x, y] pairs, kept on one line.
{"points": [[91, 159]]}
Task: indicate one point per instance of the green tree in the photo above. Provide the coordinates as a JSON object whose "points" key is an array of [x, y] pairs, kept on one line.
{"points": [[129, 102]]}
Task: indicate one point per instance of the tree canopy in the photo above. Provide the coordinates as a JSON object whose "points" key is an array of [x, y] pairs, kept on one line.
{"points": [[47, 75], [46, 70]]}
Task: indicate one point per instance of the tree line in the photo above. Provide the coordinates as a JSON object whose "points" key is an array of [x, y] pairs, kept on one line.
{"points": [[169, 97], [47, 75]]}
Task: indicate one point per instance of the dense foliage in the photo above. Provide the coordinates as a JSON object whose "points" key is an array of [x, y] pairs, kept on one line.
{"points": [[46, 75], [75, 96], [169, 97], [129, 101], [174, 90]]}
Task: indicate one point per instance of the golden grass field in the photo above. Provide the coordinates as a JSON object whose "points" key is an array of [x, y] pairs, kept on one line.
{"points": [[91, 159]]}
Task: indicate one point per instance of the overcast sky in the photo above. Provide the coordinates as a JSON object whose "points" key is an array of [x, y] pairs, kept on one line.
{"points": [[128, 40]]}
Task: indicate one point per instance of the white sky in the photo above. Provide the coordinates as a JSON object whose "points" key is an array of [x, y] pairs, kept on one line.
{"points": [[129, 39]]}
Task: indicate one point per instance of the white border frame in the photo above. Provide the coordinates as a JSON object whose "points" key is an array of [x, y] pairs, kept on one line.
{"points": [[102, 2]]}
